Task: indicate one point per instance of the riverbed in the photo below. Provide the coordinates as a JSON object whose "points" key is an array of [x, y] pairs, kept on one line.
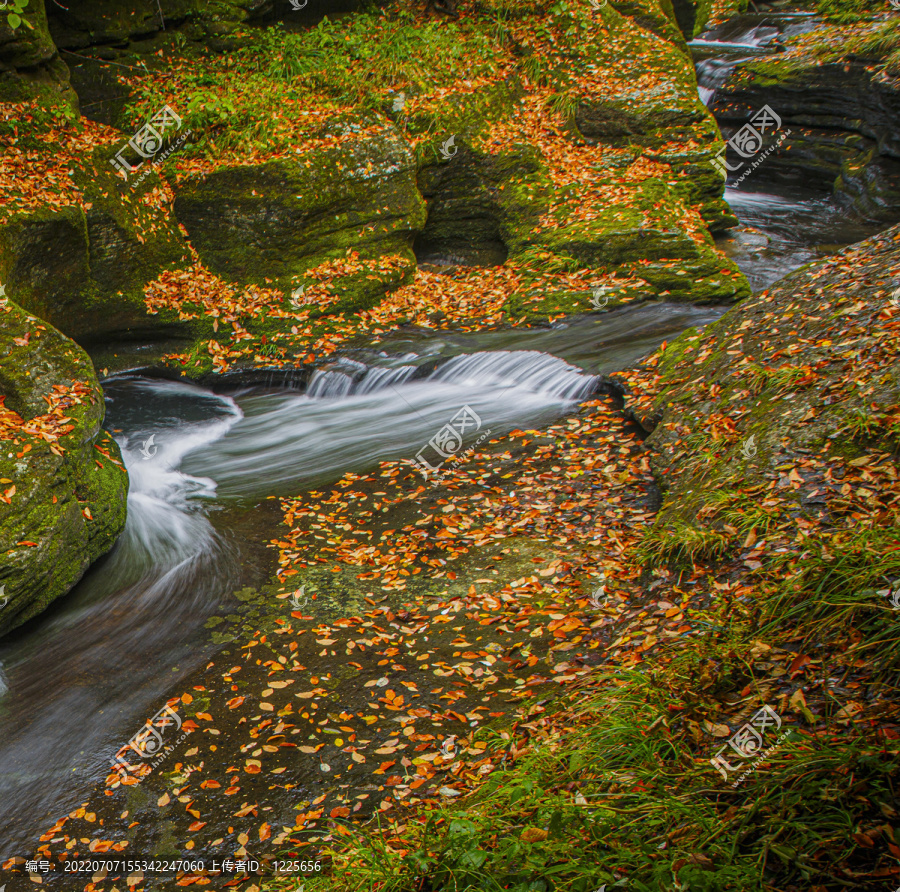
{"points": [[204, 462]]}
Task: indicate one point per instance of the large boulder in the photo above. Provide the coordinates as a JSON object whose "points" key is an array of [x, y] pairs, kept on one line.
{"points": [[30, 65], [353, 189], [844, 123], [62, 485], [83, 266]]}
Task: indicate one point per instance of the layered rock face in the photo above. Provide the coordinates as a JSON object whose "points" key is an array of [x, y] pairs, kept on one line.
{"points": [[843, 117], [279, 218], [62, 484]]}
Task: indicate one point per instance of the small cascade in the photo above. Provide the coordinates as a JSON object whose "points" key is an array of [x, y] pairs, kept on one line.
{"points": [[329, 384], [354, 416], [525, 369], [712, 74], [131, 619], [347, 376], [720, 51], [378, 378]]}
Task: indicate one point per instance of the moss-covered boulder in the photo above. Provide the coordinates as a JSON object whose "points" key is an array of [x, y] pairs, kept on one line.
{"points": [[352, 189], [786, 387], [30, 65], [115, 23], [62, 485], [82, 266], [480, 206]]}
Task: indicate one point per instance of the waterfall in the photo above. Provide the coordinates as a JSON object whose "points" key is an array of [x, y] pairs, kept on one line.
{"points": [[354, 416]]}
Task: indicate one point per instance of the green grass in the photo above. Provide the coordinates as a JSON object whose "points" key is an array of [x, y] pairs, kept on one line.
{"points": [[680, 542], [880, 42], [627, 797], [832, 590], [740, 511], [783, 378], [848, 11], [254, 97]]}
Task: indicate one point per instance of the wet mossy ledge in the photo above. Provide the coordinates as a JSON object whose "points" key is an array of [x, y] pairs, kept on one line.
{"points": [[746, 414], [535, 151], [62, 483], [836, 88]]}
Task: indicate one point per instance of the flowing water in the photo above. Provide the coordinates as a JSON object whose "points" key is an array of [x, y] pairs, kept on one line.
{"points": [[85, 675], [79, 680], [783, 223], [744, 37]]}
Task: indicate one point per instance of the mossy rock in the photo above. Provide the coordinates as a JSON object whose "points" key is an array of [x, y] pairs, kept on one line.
{"points": [[85, 22], [278, 219], [83, 268], [772, 365], [67, 506], [30, 67], [480, 206]]}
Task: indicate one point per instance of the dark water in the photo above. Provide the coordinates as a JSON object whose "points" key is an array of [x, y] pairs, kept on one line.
{"points": [[781, 230], [783, 224], [82, 678]]}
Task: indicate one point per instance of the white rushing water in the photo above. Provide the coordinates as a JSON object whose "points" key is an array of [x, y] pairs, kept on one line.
{"points": [[719, 51], [80, 679], [83, 677], [372, 415]]}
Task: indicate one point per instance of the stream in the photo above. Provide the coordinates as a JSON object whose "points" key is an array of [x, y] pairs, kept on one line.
{"points": [[78, 680], [783, 222], [201, 464]]}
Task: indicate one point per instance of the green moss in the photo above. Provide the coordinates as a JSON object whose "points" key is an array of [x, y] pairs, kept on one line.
{"points": [[83, 269], [68, 506], [290, 216]]}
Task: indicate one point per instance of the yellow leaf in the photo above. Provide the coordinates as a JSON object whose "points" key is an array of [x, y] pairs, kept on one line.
{"points": [[533, 834]]}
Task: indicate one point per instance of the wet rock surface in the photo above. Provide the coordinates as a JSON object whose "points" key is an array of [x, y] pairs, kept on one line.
{"points": [[62, 482]]}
